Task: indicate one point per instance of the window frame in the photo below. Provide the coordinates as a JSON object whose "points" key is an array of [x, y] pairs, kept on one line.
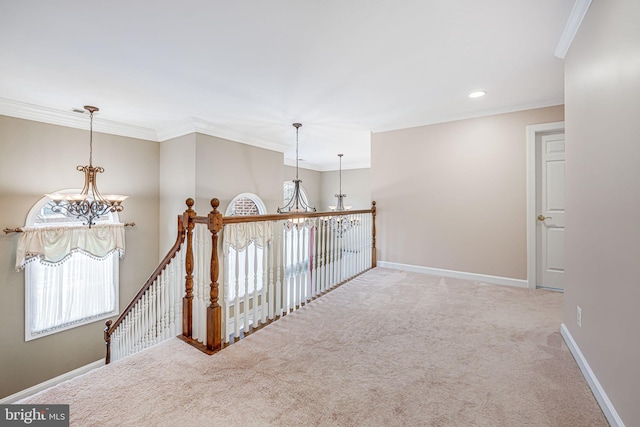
{"points": [[262, 209], [32, 216]]}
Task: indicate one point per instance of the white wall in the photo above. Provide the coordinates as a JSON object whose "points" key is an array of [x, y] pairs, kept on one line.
{"points": [[453, 195], [602, 85]]}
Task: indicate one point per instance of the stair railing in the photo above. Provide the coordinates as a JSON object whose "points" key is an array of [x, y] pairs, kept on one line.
{"points": [[302, 256]]}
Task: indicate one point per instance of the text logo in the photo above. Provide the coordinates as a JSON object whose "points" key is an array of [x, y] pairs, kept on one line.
{"points": [[34, 415]]}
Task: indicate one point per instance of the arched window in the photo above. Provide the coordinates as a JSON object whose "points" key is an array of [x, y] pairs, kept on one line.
{"points": [[249, 253], [67, 283], [246, 204]]}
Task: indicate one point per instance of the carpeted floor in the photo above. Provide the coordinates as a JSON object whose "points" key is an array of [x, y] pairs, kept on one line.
{"points": [[388, 348]]}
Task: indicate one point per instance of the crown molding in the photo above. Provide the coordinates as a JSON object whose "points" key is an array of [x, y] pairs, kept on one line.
{"points": [[22, 110], [578, 12], [187, 126], [176, 129], [211, 129], [324, 168], [476, 115], [204, 127], [306, 165]]}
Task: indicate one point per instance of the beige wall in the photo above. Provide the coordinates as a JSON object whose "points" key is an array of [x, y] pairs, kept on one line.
{"points": [[177, 183], [453, 195], [36, 158], [226, 168], [356, 184], [602, 78]]}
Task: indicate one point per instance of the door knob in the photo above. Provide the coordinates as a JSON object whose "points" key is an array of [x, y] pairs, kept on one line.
{"points": [[542, 217]]}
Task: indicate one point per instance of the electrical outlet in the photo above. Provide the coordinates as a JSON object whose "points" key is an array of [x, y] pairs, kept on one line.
{"points": [[579, 319]]}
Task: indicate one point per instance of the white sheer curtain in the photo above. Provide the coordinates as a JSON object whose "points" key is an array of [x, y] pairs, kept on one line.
{"points": [[244, 244], [79, 290], [71, 275]]}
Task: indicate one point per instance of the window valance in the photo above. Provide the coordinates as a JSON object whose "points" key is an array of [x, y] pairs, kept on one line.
{"points": [[240, 235], [55, 244]]}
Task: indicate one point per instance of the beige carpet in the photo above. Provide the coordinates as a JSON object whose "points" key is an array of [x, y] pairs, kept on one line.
{"points": [[388, 348]]}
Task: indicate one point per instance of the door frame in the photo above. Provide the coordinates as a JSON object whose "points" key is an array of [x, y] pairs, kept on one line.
{"points": [[533, 134]]}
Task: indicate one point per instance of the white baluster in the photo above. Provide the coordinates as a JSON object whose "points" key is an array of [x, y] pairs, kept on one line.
{"points": [[225, 291], [162, 324], [247, 294], [313, 257], [236, 304], [256, 292], [321, 255], [264, 305], [294, 272], [171, 292], [306, 265], [279, 256], [271, 296], [154, 312]]}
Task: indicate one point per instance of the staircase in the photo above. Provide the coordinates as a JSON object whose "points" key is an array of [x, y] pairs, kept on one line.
{"points": [[271, 265]]}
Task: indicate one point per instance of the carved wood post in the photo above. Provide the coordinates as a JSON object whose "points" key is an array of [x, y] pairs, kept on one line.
{"points": [[107, 342], [214, 311], [374, 261], [187, 301]]}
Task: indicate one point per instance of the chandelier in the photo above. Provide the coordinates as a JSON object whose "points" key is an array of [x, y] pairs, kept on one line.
{"points": [[297, 202], [88, 205], [342, 224], [340, 206]]}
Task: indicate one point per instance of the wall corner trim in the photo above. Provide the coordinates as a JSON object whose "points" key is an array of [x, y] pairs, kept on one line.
{"points": [[603, 400], [495, 280], [578, 12], [51, 382]]}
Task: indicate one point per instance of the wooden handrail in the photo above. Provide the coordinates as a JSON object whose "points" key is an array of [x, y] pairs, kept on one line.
{"points": [[276, 217], [110, 325]]}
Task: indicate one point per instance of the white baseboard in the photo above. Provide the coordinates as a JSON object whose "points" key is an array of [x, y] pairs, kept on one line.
{"points": [[496, 280], [597, 390], [50, 383]]}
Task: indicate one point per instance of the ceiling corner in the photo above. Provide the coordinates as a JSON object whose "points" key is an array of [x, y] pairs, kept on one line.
{"points": [[578, 13]]}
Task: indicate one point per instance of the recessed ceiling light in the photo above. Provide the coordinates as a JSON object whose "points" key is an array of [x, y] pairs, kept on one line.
{"points": [[477, 94]]}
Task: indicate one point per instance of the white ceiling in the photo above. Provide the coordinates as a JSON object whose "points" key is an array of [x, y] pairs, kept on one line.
{"points": [[247, 69]]}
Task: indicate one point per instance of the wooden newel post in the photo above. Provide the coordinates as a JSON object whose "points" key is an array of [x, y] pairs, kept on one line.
{"points": [[374, 261], [187, 301], [214, 311], [107, 342]]}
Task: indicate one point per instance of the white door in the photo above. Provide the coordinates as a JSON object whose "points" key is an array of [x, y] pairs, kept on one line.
{"points": [[550, 212]]}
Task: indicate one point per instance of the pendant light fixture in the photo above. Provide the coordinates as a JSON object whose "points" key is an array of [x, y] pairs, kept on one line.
{"points": [[89, 204], [340, 206], [297, 202]]}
